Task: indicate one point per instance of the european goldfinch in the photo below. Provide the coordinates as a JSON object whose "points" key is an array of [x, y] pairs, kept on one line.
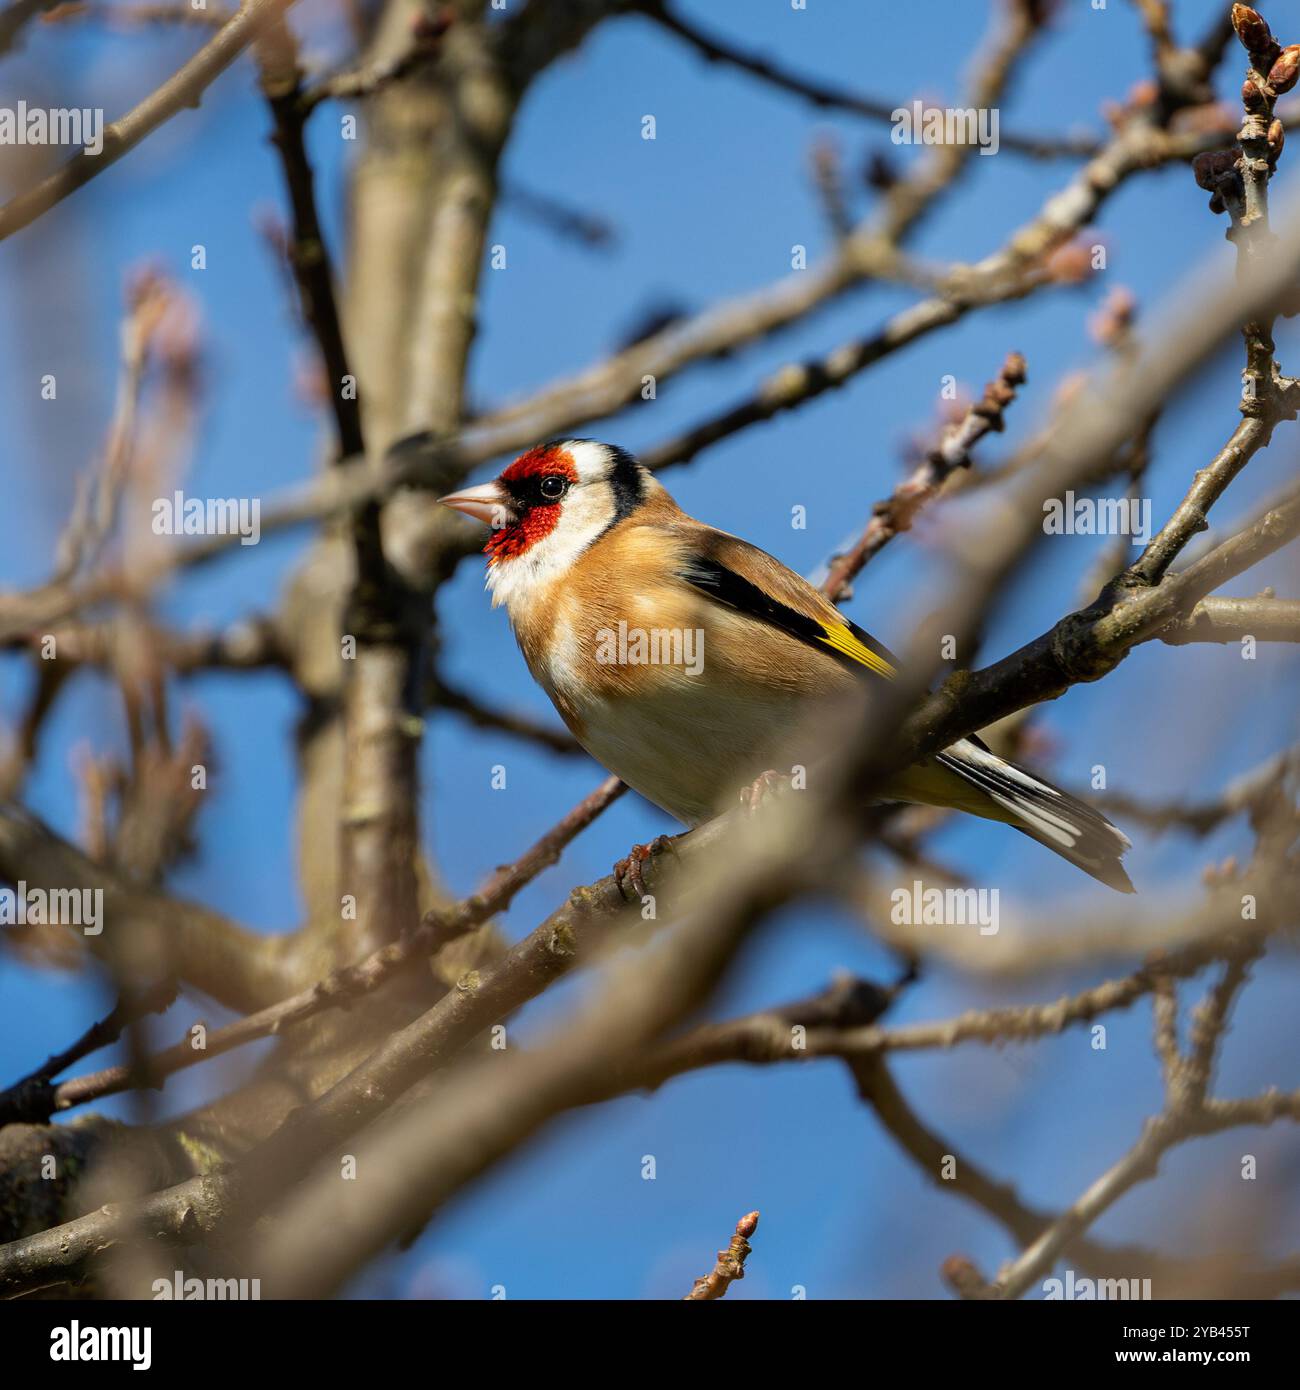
{"points": [[679, 656]]}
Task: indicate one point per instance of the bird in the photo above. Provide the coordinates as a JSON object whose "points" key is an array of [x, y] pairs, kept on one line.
{"points": [[679, 656]]}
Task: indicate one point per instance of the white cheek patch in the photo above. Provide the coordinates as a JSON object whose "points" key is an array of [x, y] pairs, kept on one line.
{"points": [[590, 459], [585, 513]]}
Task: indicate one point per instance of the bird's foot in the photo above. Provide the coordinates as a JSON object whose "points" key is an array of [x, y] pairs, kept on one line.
{"points": [[628, 870], [762, 787]]}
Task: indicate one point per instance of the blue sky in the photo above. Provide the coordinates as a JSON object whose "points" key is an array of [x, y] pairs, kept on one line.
{"points": [[709, 209]]}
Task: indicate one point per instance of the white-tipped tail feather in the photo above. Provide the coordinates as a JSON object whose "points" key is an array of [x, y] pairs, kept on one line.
{"points": [[972, 778]]}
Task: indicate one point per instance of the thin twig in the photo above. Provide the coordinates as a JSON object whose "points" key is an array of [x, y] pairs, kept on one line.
{"points": [[828, 97], [458, 701], [31, 1100], [339, 989], [183, 89], [896, 514], [730, 1265]]}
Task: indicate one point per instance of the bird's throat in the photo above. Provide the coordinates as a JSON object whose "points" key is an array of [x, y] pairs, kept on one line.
{"points": [[513, 541]]}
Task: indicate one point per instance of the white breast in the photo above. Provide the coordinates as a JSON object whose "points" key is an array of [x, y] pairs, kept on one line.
{"points": [[680, 746]]}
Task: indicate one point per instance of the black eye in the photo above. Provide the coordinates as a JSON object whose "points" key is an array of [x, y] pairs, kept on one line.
{"points": [[553, 487]]}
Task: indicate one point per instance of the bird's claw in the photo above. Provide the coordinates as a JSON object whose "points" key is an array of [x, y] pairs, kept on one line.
{"points": [[628, 870], [753, 796]]}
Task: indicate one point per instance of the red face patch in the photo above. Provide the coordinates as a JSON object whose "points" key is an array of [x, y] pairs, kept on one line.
{"points": [[536, 518], [536, 463], [513, 541]]}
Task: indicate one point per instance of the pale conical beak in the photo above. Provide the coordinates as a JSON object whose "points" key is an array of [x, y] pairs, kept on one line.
{"points": [[486, 503]]}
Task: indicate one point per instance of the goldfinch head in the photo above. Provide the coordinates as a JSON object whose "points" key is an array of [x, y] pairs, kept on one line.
{"points": [[549, 505]]}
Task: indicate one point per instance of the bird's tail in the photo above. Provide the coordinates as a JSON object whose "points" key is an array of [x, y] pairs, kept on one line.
{"points": [[971, 778]]}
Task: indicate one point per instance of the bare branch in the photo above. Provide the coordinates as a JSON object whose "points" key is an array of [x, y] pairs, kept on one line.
{"points": [[183, 89], [1223, 620], [277, 60], [177, 13], [359, 83], [828, 97], [1244, 794], [730, 1265], [843, 1026], [161, 935], [483, 716], [339, 989], [895, 515], [15, 17], [31, 1100]]}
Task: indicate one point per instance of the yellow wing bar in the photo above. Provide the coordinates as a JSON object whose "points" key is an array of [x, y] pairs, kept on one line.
{"points": [[842, 639]]}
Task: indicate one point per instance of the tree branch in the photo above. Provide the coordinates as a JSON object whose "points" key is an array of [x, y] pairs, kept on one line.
{"points": [[895, 515], [826, 96], [158, 935], [184, 88], [1225, 620], [348, 983], [730, 1265], [32, 1100]]}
